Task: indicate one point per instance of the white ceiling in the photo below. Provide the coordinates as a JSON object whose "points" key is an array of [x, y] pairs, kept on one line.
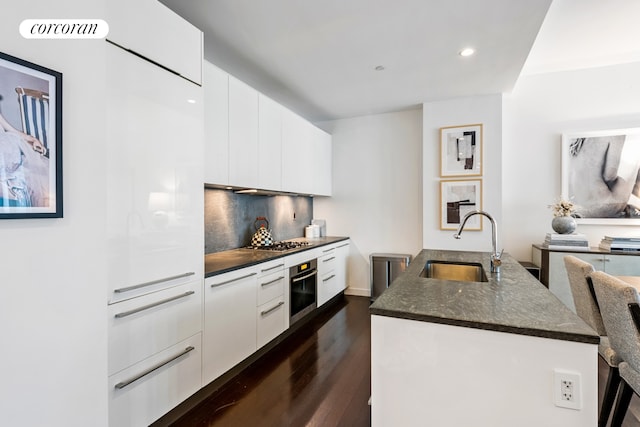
{"points": [[319, 57]]}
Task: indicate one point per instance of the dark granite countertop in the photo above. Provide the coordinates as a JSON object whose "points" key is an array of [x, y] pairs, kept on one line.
{"points": [[515, 302], [235, 259]]}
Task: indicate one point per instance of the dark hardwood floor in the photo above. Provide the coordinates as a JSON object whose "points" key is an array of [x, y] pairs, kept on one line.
{"points": [[319, 376]]}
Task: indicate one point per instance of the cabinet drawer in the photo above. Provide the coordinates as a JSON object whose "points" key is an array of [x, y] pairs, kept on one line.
{"points": [[143, 326], [271, 267], [147, 390], [270, 287], [271, 320], [327, 263], [327, 287]]}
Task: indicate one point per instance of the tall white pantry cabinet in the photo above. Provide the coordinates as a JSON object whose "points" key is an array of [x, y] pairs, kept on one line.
{"points": [[155, 216]]}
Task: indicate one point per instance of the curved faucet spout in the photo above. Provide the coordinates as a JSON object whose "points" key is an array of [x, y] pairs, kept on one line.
{"points": [[495, 255]]}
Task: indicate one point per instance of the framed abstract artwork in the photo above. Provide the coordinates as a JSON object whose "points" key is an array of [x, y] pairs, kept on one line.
{"points": [[30, 140], [461, 150], [457, 198]]}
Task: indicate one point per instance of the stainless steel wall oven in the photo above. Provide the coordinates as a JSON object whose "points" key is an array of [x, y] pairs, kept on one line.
{"points": [[303, 289]]}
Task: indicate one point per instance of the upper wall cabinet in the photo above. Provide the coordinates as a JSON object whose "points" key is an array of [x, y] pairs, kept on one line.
{"points": [[254, 142], [216, 125], [270, 144], [161, 36], [243, 134]]}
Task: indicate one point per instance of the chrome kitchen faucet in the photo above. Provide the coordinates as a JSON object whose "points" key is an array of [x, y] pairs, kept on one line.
{"points": [[496, 257]]}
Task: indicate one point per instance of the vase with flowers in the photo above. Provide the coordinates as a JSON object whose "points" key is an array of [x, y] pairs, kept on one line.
{"points": [[563, 221]]}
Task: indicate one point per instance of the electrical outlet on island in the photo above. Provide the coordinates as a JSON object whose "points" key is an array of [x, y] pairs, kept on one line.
{"points": [[567, 391]]}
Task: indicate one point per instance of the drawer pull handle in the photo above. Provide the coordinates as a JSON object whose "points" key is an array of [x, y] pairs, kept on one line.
{"points": [[329, 259], [329, 278], [342, 246], [328, 250], [226, 282], [153, 282], [272, 281], [154, 304], [272, 268], [125, 383], [265, 312]]}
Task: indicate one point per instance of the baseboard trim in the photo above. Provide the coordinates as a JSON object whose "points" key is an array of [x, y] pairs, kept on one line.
{"points": [[358, 292]]}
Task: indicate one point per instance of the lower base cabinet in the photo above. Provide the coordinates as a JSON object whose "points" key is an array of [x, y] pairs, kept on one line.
{"points": [[229, 321], [144, 392]]}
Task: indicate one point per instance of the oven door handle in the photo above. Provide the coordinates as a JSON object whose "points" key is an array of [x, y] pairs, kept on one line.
{"points": [[299, 279]]}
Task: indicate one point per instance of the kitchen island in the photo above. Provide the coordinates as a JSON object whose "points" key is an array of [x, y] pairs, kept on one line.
{"points": [[457, 353]]}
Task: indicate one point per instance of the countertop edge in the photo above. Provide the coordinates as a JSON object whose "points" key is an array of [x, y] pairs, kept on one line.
{"points": [[563, 336], [270, 256]]}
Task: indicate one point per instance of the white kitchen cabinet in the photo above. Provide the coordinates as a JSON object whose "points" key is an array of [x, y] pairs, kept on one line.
{"points": [[154, 177], [144, 392], [243, 134], [332, 268], [554, 275], [216, 125], [326, 274], [272, 302], [342, 259], [229, 334], [321, 146], [269, 144], [297, 156], [163, 36], [143, 326]]}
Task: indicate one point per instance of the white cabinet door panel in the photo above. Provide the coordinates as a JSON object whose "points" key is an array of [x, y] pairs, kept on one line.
{"points": [[229, 321], [243, 134], [270, 144], [154, 182], [216, 121]]}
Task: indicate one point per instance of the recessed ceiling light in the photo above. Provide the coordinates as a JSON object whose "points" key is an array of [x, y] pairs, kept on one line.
{"points": [[467, 51], [191, 101], [379, 68]]}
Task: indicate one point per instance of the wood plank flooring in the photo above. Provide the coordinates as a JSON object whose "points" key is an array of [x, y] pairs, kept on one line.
{"points": [[319, 376]]}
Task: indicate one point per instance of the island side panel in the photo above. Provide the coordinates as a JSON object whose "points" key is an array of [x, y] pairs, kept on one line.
{"points": [[433, 374]]}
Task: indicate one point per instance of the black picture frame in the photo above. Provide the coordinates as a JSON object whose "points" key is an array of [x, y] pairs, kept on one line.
{"points": [[30, 140]]}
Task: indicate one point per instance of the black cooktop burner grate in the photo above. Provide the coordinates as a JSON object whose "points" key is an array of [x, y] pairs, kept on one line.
{"points": [[280, 246]]}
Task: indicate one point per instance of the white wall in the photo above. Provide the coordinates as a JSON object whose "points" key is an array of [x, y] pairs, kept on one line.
{"points": [[458, 112], [536, 114], [377, 188], [53, 274]]}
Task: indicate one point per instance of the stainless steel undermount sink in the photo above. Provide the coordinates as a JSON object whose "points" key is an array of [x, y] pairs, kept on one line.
{"points": [[450, 270]]}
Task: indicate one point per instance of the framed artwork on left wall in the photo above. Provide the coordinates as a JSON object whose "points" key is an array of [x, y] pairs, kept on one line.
{"points": [[30, 140]]}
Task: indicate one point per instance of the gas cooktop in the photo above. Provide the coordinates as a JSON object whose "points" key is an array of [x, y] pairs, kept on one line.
{"points": [[280, 246]]}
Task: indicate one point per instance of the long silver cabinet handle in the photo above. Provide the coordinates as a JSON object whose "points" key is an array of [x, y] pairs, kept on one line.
{"points": [[342, 246], [125, 383], [328, 259], [299, 279], [154, 304], [272, 281], [272, 268], [226, 282], [153, 282], [264, 313], [328, 250], [329, 278]]}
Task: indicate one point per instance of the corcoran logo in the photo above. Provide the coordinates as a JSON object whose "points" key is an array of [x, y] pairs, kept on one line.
{"points": [[64, 29]]}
